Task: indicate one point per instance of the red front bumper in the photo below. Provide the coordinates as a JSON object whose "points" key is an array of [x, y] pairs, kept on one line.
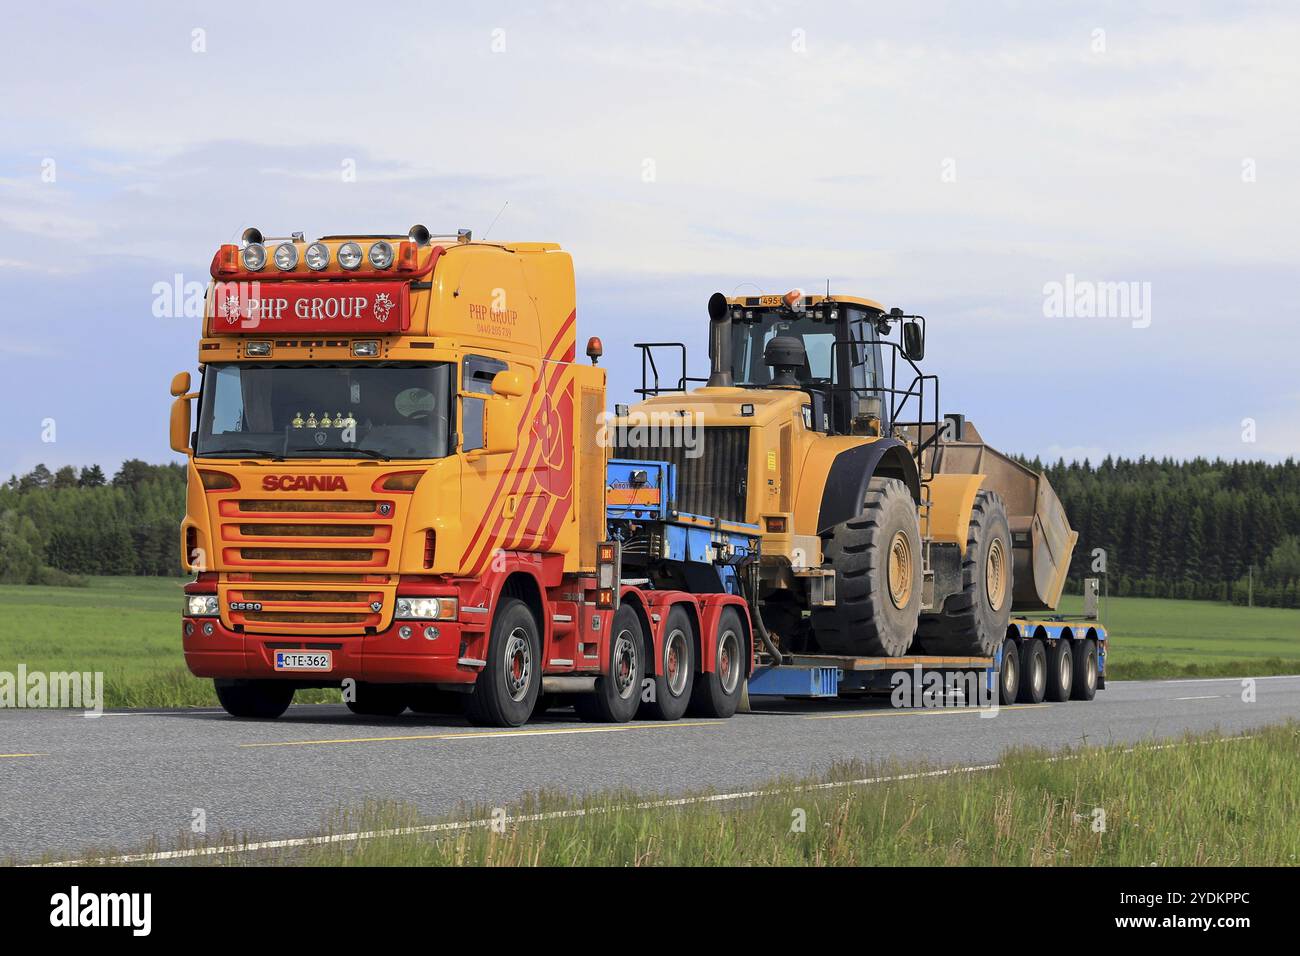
{"points": [[383, 658]]}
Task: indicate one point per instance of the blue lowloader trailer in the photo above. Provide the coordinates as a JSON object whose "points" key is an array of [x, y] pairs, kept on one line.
{"points": [[1048, 657]]}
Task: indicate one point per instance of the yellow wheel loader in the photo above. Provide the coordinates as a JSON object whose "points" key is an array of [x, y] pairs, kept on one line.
{"points": [[886, 526]]}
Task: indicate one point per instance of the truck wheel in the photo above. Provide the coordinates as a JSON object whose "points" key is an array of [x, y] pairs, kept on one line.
{"points": [[1033, 672], [255, 699], [877, 562], [974, 620], [507, 687], [618, 690], [1085, 671], [717, 694], [378, 700], [1060, 671], [674, 670], [1009, 675]]}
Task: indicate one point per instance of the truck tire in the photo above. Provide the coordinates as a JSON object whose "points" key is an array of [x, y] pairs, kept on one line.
{"points": [[1060, 671], [877, 562], [674, 675], [254, 699], [974, 620], [618, 690], [378, 700], [1009, 674], [1085, 670], [1033, 672], [717, 693], [508, 686]]}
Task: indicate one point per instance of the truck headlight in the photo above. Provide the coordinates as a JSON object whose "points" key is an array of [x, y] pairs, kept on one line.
{"points": [[286, 256], [350, 256], [381, 255], [426, 608], [318, 256], [201, 605]]}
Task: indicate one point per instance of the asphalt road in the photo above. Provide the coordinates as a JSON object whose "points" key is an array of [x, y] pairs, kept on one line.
{"points": [[71, 785]]}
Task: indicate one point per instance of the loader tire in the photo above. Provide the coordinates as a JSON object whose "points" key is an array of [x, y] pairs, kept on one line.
{"points": [[877, 562], [974, 620]]}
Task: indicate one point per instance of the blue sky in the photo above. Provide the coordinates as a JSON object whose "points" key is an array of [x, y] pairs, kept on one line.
{"points": [[951, 159]]}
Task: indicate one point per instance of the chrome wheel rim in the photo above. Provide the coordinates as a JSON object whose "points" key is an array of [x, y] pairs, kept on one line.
{"points": [[675, 662], [624, 664], [729, 661], [519, 664]]}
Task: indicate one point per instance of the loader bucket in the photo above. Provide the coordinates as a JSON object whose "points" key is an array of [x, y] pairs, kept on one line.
{"points": [[1041, 537]]}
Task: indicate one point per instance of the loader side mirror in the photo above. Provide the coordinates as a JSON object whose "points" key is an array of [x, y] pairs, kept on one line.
{"points": [[913, 340]]}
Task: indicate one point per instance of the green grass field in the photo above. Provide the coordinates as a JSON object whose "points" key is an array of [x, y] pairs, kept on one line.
{"points": [[129, 628], [1202, 801]]}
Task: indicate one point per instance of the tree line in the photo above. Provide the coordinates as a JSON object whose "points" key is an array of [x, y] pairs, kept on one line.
{"points": [[57, 525], [1209, 530]]}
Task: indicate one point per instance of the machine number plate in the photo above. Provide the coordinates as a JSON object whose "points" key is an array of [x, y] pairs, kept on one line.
{"points": [[304, 661]]}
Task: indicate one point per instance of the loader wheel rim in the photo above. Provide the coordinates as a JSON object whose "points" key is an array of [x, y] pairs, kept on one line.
{"points": [[995, 574], [519, 664], [899, 570]]}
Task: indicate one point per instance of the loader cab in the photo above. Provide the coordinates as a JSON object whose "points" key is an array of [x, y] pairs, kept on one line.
{"points": [[841, 368]]}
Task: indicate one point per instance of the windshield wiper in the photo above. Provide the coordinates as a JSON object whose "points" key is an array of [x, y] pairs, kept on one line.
{"points": [[345, 452], [240, 453]]}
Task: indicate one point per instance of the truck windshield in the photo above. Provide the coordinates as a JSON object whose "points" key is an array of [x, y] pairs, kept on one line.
{"points": [[395, 410]]}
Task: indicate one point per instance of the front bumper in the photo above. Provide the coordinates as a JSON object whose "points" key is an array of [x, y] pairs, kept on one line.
{"points": [[384, 657]]}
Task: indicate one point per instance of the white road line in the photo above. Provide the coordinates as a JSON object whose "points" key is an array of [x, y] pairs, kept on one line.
{"points": [[1203, 697], [1208, 680], [162, 856]]}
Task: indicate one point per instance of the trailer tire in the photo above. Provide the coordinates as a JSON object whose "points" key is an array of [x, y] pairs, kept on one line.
{"points": [[508, 686], [1033, 672], [1060, 671], [378, 700], [717, 692], [254, 699], [618, 691], [974, 620], [674, 675], [1009, 673], [877, 562], [1085, 671]]}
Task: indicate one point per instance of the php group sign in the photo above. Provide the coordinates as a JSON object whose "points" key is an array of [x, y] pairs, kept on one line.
{"points": [[274, 307]]}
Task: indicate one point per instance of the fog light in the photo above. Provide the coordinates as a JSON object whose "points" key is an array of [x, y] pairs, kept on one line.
{"points": [[209, 629], [381, 255], [318, 256], [189, 628], [430, 633], [253, 256], [349, 256], [286, 257], [404, 632]]}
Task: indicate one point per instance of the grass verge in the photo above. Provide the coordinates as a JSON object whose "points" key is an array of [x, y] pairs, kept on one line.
{"points": [[1201, 801]]}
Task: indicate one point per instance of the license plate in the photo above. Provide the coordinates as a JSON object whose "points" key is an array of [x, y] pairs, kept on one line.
{"points": [[304, 660]]}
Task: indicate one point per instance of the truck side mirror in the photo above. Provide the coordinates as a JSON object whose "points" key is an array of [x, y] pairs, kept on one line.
{"points": [[913, 340], [509, 383], [500, 427], [180, 383], [180, 424]]}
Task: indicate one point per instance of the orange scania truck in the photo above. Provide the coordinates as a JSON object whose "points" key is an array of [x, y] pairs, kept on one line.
{"points": [[401, 483]]}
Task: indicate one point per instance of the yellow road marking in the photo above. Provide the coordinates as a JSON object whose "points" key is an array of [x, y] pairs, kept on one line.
{"points": [[23, 755], [925, 713], [478, 735]]}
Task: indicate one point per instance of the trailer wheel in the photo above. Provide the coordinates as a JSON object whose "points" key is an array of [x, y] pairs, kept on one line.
{"points": [[877, 562], [507, 688], [1085, 671], [618, 690], [1009, 675], [378, 700], [254, 699], [1060, 671], [974, 620], [717, 694], [1033, 672], [674, 675]]}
